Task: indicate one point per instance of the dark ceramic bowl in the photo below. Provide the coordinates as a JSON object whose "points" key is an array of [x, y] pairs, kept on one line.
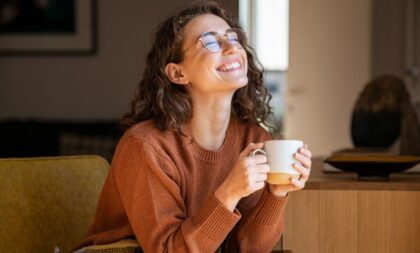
{"points": [[372, 167]]}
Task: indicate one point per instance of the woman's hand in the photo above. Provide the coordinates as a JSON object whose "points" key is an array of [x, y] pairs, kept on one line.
{"points": [[304, 157], [247, 176]]}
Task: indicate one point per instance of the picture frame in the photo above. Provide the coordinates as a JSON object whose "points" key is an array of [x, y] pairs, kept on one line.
{"points": [[64, 27]]}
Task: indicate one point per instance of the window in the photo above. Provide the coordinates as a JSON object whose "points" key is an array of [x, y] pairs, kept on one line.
{"points": [[266, 23]]}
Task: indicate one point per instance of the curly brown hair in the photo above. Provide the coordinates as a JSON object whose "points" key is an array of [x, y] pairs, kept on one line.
{"points": [[169, 104]]}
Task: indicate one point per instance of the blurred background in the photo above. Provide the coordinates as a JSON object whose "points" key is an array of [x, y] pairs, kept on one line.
{"points": [[65, 88]]}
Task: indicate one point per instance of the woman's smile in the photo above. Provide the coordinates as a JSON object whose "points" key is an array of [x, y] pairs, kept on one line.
{"points": [[230, 65]]}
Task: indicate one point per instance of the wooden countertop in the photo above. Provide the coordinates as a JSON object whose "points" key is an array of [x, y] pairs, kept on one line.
{"points": [[320, 180]]}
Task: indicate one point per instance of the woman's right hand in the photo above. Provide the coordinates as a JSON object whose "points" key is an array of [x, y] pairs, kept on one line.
{"points": [[247, 176]]}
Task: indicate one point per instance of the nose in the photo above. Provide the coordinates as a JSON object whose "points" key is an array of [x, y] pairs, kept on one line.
{"points": [[228, 47]]}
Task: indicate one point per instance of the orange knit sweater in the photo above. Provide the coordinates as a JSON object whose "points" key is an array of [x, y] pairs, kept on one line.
{"points": [[160, 190]]}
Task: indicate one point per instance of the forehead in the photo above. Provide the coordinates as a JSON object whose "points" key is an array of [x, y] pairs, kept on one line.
{"points": [[204, 23]]}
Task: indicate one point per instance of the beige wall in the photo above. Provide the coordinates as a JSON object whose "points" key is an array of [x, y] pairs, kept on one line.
{"points": [[389, 36], [90, 87], [329, 63]]}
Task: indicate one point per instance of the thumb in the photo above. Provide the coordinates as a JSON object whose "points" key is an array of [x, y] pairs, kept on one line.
{"points": [[251, 146]]}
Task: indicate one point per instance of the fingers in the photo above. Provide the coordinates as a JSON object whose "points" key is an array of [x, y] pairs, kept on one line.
{"points": [[305, 151], [254, 182], [262, 177], [298, 184], [259, 186], [306, 161], [251, 146], [257, 176], [263, 168], [256, 159], [302, 170], [257, 172], [257, 182]]}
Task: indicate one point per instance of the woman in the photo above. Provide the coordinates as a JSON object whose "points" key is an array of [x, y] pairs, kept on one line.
{"points": [[182, 179]]}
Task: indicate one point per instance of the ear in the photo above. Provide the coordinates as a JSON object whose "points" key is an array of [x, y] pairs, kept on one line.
{"points": [[176, 74]]}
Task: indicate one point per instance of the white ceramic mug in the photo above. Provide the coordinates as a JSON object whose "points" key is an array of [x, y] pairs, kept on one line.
{"points": [[280, 159]]}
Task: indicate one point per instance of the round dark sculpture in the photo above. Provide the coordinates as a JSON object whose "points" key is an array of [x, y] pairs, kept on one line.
{"points": [[376, 119]]}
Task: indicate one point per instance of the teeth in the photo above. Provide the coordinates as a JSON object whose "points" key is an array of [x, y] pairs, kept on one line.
{"points": [[230, 66]]}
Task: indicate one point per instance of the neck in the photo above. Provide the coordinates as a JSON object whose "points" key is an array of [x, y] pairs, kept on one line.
{"points": [[210, 120]]}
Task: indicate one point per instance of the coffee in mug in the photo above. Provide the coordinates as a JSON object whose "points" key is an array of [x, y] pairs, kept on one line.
{"points": [[280, 159]]}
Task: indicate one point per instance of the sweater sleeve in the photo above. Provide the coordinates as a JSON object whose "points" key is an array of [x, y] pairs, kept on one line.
{"points": [[262, 223], [149, 186], [262, 229]]}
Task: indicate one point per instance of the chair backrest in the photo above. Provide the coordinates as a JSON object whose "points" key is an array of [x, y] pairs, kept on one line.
{"points": [[47, 202]]}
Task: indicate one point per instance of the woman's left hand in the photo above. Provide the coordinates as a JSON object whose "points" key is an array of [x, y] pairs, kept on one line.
{"points": [[304, 157]]}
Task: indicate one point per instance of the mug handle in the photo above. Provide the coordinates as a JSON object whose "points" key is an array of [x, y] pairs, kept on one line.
{"points": [[258, 150]]}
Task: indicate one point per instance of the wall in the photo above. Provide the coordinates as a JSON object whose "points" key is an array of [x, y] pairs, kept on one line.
{"points": [[88, 87], [329, 64], [389, 29]]}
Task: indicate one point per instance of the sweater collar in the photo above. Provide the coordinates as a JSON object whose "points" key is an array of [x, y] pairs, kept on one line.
{"points": [[214, 155]]}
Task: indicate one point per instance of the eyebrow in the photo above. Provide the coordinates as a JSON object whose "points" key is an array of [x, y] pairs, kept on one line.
{"points": [[208, 32]]}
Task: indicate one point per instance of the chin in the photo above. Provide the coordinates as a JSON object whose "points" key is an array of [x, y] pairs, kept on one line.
{"points": [[242, 82], [234, 82], [236, 77]]}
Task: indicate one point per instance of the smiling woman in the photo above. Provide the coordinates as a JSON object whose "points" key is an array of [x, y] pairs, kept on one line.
{"points": [[168, 54], [182, 178]]}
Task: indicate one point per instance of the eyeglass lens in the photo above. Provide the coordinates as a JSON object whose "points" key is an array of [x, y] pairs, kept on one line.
{"points": [[214, 42]]}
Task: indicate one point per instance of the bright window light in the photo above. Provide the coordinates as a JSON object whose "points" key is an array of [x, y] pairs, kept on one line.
{"points": [[267, 24]]}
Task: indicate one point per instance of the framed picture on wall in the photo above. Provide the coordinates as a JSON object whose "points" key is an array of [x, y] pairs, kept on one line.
{"points": [[47, 27]]}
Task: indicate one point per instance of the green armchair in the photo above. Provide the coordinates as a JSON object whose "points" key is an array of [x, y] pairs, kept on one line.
{"points": [[48, 202]]}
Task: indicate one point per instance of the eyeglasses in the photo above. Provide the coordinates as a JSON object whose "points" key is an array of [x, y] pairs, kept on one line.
{"points": [[213, 41]]}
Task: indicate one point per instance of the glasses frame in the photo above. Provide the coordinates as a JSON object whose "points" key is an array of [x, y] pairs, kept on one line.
{"points": [[238, 31]]}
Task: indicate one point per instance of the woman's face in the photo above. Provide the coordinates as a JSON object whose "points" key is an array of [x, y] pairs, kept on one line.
{"points": [[225, 70]]}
